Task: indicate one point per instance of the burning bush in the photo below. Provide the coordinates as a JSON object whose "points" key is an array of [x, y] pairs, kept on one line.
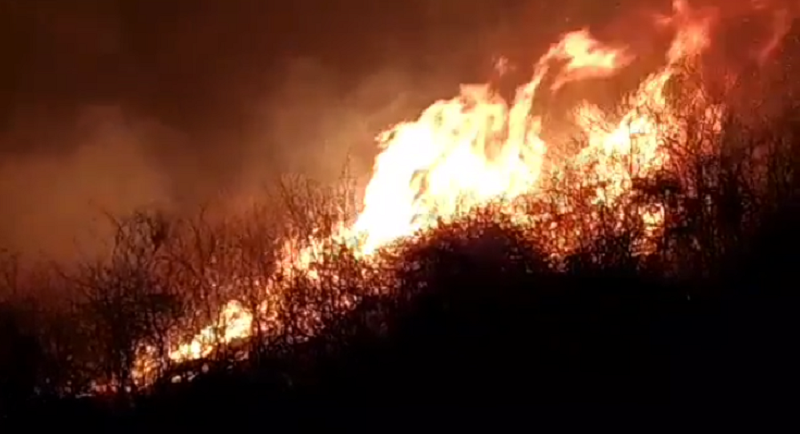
{"points": [[467, 197]]}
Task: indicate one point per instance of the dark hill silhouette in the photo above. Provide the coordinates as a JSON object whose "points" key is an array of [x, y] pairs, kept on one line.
{"points": [[475, 320]]}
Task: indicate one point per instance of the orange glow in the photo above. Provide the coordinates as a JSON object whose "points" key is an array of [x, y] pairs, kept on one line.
{"points": [[476, 148]]}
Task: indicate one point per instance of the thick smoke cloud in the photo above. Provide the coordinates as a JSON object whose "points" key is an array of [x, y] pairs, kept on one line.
{"points": [[112, 105], [54, 200]]}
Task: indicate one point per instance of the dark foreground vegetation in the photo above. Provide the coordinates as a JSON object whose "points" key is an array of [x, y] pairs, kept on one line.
{"points": [[476, 316]]}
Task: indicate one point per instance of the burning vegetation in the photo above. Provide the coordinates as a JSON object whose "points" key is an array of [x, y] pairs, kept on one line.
{"points": [[670, 184]]}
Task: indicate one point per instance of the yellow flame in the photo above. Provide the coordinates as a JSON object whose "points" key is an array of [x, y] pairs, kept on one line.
{"points": [[475, 148]]}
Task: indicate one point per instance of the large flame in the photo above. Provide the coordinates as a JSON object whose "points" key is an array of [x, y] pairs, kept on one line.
{"points": [[477, 148]]}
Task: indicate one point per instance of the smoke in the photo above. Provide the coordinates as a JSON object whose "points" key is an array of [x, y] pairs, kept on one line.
{"points": [[168, 106], [172, 116], [54, 201], [317, 124]]}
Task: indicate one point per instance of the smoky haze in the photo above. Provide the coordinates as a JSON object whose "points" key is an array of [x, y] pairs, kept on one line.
{"points": [[113, 105]]}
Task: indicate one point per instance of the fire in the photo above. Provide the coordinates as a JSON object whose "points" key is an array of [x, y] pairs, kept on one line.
{"points": [[476, 148]]}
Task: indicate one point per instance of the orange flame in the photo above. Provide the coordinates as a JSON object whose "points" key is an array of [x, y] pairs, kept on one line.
{"points": [[475, 148]]}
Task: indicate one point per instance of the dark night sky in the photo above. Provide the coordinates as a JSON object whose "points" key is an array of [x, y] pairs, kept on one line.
{"points": [[114, 104]]}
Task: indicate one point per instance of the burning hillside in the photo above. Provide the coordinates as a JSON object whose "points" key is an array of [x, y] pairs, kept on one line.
{"points": [[478, 149]]}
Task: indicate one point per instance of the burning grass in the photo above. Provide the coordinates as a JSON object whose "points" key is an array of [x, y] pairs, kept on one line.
{"points": [[224, 290], [672, 187]]}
